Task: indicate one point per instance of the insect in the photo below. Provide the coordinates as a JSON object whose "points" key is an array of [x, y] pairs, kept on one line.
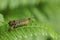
{"points": [[16, 23]]}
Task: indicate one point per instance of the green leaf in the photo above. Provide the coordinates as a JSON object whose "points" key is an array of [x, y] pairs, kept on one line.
{"points": [[32, 31], [1, 19], [42, 12]]}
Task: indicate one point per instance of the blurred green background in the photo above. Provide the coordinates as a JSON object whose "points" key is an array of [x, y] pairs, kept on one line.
{"points": [[44, 13]]}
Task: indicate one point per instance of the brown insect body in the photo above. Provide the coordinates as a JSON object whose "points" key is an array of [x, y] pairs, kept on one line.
{"points": [[25, 21], [17, 23]]}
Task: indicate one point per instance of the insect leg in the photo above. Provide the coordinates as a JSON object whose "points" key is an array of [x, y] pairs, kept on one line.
{"points": [[11, 28]]}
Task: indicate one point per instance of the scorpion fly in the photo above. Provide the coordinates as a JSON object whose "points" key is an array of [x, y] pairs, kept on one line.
{"points": [[16, 23]]}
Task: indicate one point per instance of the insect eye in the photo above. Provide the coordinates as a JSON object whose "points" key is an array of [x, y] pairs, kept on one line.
{"points": [[10, 23]]}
